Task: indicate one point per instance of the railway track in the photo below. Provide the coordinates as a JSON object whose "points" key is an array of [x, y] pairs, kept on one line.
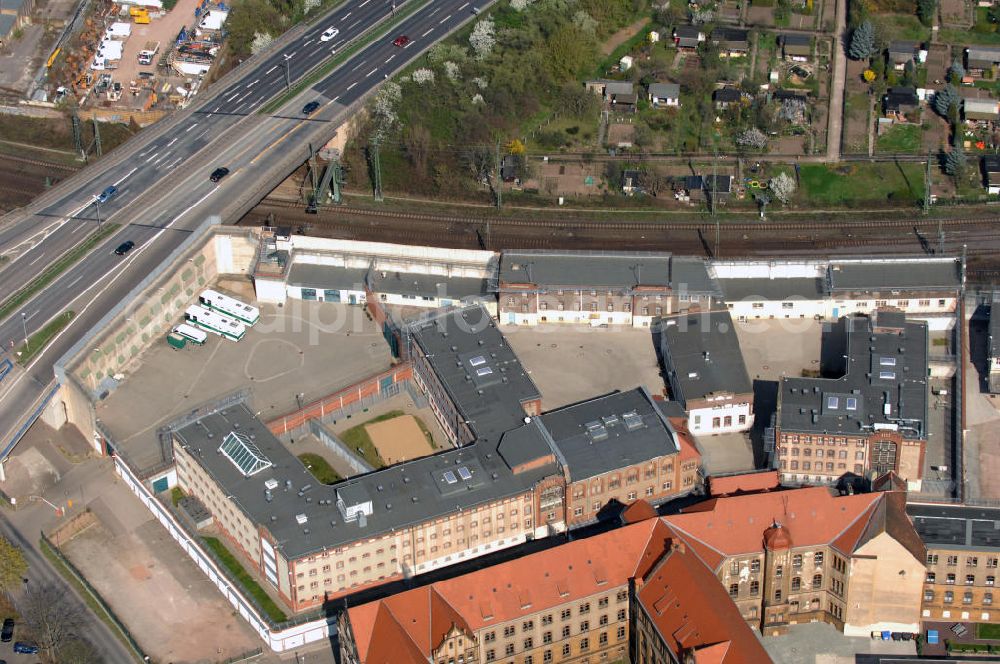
{"points": [[298, 210], [40, 163]]}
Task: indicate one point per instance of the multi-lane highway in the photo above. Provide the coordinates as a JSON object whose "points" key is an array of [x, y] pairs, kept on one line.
{"points": [[164, 190]]}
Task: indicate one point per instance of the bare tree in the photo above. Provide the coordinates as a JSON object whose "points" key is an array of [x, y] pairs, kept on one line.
{"points": [[54, 621], [77, 651]]}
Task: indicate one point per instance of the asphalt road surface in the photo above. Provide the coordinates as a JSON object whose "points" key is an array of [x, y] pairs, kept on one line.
{"points": [[164, 190]]}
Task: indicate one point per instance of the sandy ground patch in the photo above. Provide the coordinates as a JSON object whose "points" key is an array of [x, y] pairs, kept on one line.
{"points": [[398, 439]]}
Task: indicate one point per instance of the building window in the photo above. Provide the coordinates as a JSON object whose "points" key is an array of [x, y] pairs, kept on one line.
{"points": [[967, 598], [949, 597], [950, 579], [547, 656], [508, 631], [489, 637], [987, 598], [796, 582], [797, 560], [566, 613], [565, 650], [621, 632], [928, 595], [817, 581], [777, 595], [584, 644], [565, 631], [585, 626], [529, 643], [952, 561], [584, 608], [818, 557], [491, 655], [972, 561], [754, 588], [527, 625], [970, 579], [755, 566], [547, 637], [734, 590], [931, 577], [991, 580], [621, 615]]}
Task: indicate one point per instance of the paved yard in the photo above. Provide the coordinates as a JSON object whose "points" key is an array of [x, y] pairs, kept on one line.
{"points": [[726, 453], [982, 441], [820, 643], [300, 352], [776, 348], [571, 363]]}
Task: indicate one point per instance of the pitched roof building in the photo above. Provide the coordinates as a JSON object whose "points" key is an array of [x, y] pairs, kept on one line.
{"points": [[799, 555], [566, 603]]}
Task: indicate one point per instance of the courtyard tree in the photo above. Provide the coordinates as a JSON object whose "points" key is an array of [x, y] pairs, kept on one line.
{"points": [[752, 138], [956, 72], [945, 100], [54, 621], [782, 187], [926, 9]]}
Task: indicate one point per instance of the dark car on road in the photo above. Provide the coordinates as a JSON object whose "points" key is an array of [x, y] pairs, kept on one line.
{"points": [[401, 41], [309, 108], [7, 633], [123, 249], [107, 195], [219, 173], [25, 648]]}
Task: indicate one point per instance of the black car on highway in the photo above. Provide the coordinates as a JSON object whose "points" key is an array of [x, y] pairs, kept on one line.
{"points": [[219, 173], [309, 108], [122, 249]]}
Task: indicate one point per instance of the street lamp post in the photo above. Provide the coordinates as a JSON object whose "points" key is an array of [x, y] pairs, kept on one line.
{"points": [[97, 205], [287, 64], [24, 326]]}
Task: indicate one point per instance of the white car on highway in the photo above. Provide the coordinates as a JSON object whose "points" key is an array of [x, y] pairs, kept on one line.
{"points": [[329, 34]]}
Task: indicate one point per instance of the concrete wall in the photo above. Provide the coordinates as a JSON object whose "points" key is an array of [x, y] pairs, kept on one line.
{"points": [[149, 316], [885, 584], [338, 448]]}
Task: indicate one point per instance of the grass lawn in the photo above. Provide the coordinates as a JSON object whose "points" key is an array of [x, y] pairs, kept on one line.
{"points": [[906, 27], [855, 184], [901, 138], [988, 631], [38, 340], [264, 600], [320, 468], [175, 495]]}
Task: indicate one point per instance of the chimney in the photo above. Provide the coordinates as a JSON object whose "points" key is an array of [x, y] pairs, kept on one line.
{"points": [[678, 546]]}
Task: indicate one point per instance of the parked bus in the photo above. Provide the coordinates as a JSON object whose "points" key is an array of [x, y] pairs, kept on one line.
{"points": [[192, 334], [214, 322], [229, 306]]}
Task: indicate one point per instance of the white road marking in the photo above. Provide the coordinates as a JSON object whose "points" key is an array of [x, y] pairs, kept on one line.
{"points": [[307, 42], [74, 281], [217, 109], [444, 19], [188, 129], [292, 54], [358, 66], [463, 6], [76, 228], [201, 133], [371, 72], [172, 141], [271, 69], [253, 82], [175, 162], [40, 257], [128, 175], [30, 316], [152, 157], [390, 58], [428, 32], [436, 9], [364, 3], [409, 43], [335, 99], [347, 14], [352, 85], [351, 26]]}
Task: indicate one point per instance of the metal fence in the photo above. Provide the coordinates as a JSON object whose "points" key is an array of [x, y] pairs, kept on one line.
{"points": [[339, 448]]}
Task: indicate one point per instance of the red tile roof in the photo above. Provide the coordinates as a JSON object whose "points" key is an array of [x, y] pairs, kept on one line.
{"points": [[412, 624], [638, 510], [693, 613], [722, 527], [744, 483]]}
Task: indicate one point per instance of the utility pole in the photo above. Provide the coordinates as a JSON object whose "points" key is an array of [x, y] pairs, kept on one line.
{"points": [[715, 188], [499, 177], [313, 180], [376, 168], [77, 135], [97, 137], [927, 184], [338, 179]]}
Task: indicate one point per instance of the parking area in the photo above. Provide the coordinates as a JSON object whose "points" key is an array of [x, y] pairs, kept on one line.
{"points": [[726, 453], [572, 363], [811, 643], [295, 354]]}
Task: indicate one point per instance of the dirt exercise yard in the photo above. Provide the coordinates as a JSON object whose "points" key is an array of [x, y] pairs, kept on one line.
{"points": [[399, 439]]}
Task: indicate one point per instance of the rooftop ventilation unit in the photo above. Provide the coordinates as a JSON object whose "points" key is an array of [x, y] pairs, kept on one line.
{"points": [[271, 484], [596, 431], [632, 420], [301, 519]]}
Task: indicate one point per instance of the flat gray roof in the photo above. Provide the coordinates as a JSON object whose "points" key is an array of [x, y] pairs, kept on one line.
{"points": [[885, 384], [702, 355], [327, 277], [772, 290], [428, 285], [614, 431], [994, 328], [407, 493], [583, 269], [956, 526], [480, 371], [896, 274]]}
